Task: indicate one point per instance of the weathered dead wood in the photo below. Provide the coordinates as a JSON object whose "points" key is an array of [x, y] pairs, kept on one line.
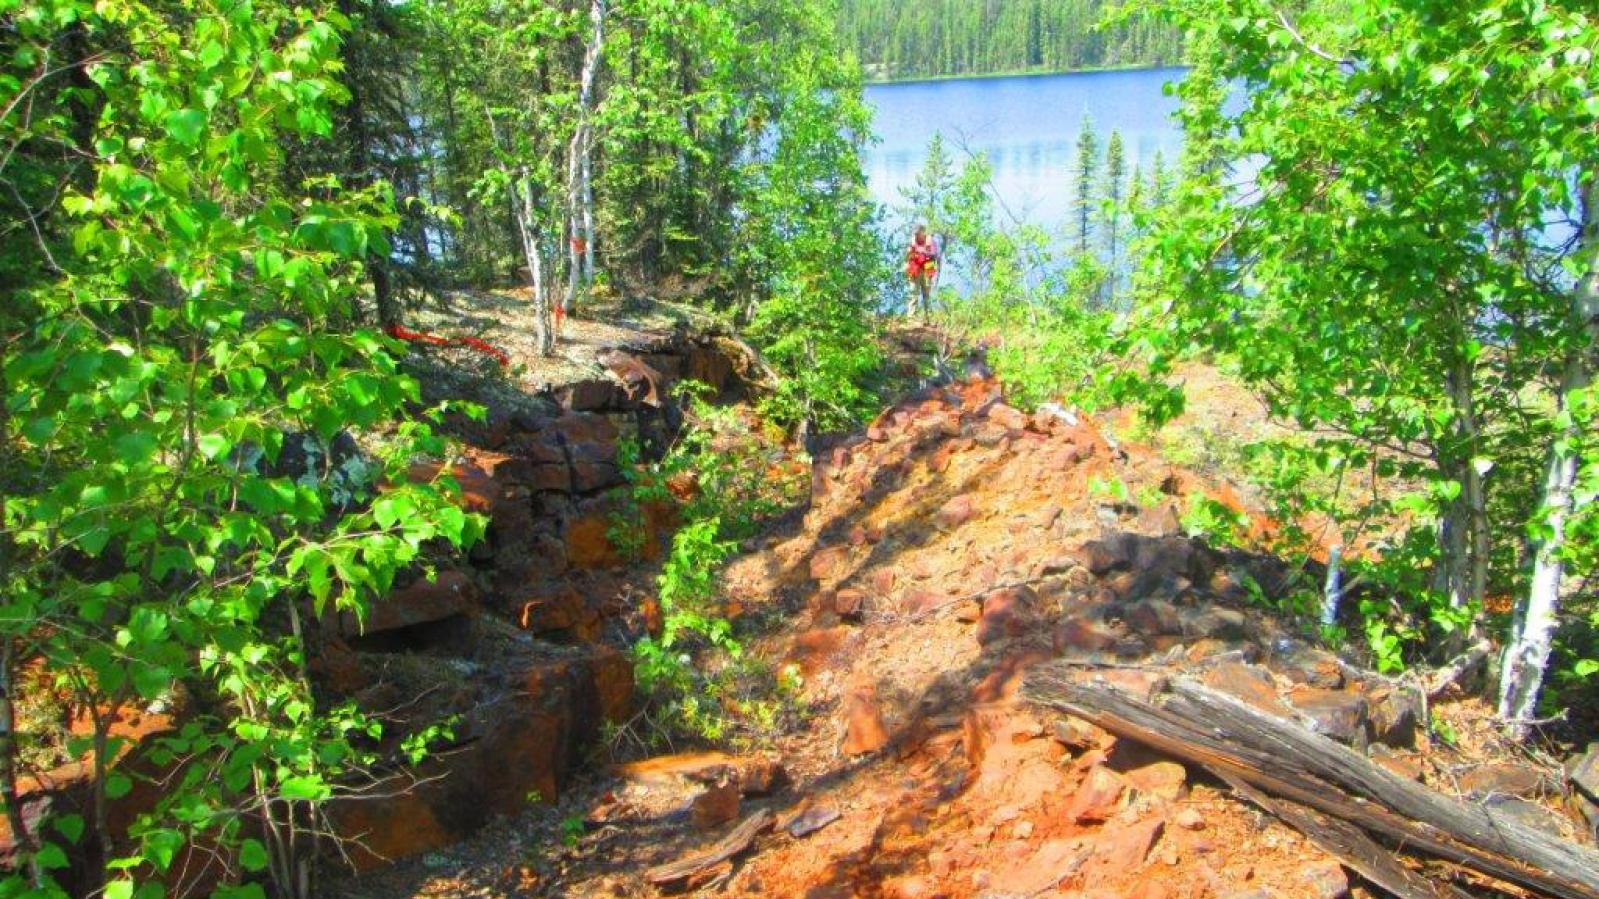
{"points": [[1285, 760], [1350, 845], [741, 838]]}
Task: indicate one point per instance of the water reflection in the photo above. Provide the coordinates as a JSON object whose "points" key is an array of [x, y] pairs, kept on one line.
{"points": [[1027, 126]]}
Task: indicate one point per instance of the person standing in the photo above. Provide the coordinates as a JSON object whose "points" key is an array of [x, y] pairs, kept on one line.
{"points": [[921, 265]]}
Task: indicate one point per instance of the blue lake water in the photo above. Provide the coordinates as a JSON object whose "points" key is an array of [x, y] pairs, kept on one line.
{"points": [[1027, 126]]}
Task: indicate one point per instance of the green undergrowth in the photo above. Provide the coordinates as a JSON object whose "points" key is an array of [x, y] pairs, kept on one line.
{"points": [[727, 474]]}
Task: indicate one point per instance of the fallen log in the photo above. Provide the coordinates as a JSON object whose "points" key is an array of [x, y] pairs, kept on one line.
{"points": [[740, 839], [1284, 760], [1350, 845]]}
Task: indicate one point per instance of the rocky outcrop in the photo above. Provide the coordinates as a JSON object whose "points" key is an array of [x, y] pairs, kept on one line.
{"points": [[521, 645]]}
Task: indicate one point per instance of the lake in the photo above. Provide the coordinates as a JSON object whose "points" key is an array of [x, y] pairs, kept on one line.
{"points": [[1027, 125]]}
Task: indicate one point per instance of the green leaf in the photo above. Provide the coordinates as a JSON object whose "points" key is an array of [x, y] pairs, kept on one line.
{"points": [[117, 785], [253, 855], [303, 787], [213, 446], [186, 125], [70, 826], [51, 857]]}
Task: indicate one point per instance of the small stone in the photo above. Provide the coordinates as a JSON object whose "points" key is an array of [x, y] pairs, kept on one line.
{"points": [[812, 819], [1083, 633], [716, 806], [1334, 713], [1189, 819], [829, 563], [1162, 780], [1077, 734], [882, 581], [865, 731], [1007, 613], [956, 512], [1503, 779], [1126, 848], [1325, 880], [1098, 797], [848, 603]]}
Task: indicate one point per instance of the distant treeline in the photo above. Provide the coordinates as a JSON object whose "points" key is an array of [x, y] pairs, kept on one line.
{"points": [[935, 38], [928, 39]]}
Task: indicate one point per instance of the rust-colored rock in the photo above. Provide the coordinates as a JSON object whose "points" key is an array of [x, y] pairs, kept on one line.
{"points": [[956, 512], [849, 603], [829, 564], [1123, 849], [1167, 781], [1008, 416], [1084, 634], [588, 544], [1007, 613], [716, 805], [865, 731], [1248, 683], [422, 602], [1098, 797], [1336, 713]]}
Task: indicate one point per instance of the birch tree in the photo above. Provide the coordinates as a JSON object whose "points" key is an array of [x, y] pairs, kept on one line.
{"points": [[1387, 277], [1537, 615], [579, 166]]}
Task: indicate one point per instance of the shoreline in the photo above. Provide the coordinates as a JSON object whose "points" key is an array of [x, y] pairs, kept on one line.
{"points": [[1024, 73]]}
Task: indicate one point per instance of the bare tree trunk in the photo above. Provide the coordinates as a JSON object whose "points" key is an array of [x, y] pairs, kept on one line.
{"points": [[1463, 534], [523, 207], [579, 195], [588, 212], [1528, 653]]}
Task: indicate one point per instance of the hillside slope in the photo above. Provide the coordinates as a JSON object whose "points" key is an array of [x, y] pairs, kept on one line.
{"points": [[948, 551]]}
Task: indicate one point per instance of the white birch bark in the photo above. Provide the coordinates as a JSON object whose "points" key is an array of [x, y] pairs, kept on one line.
{"points": [[532, 249], [579, 194], [1527, 656]]}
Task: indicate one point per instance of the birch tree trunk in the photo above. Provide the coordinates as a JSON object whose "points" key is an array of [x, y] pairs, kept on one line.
{"points": [[1528, 653], [579, 193], [527, 225]]}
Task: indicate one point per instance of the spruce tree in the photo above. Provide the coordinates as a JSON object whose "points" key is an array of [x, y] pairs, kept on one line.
{"points": [[1087, 172], [1111, 212]]}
